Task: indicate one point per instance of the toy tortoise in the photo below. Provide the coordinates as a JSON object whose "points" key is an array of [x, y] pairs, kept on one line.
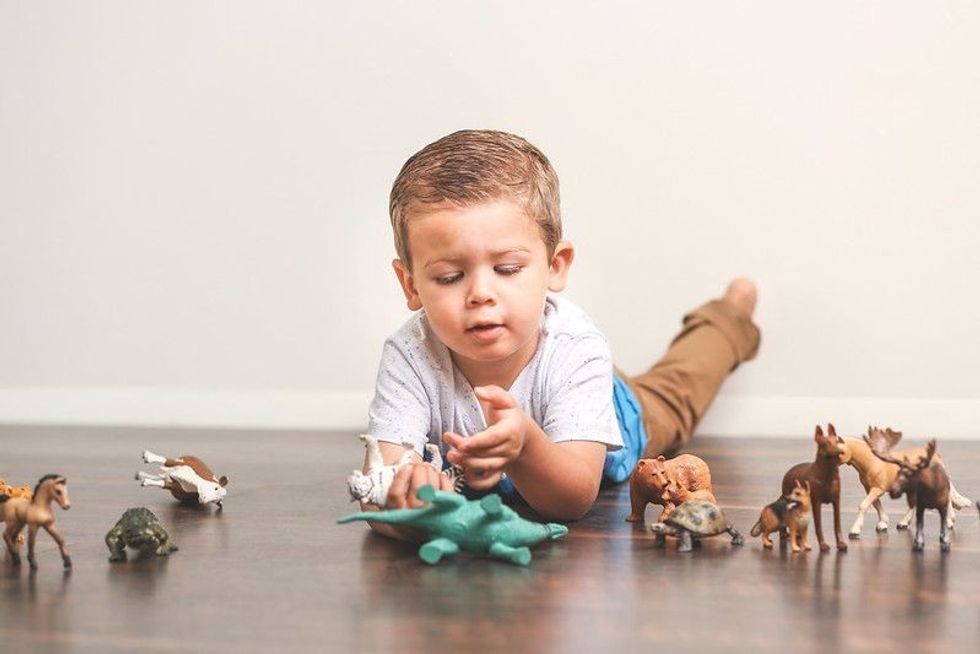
{"points": [[693, 520]]}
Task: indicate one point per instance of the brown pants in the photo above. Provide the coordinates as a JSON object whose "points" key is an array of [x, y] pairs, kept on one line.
{"points": [[675, 393]]}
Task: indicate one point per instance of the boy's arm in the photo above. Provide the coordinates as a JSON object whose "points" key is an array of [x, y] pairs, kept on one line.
{"points": [[559, 480]]}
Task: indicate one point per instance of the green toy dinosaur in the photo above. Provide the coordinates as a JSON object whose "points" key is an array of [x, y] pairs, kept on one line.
{"points": [[483, 526]]}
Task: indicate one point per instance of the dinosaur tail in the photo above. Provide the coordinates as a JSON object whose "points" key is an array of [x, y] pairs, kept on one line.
{"points": [[391, 517], [756, 529]]}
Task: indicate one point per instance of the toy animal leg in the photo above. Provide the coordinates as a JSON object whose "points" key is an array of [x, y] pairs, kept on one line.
{"points": [[62, 547], [433, 551], [794, 536], [31, 540], [866, 503], [882, 517], [805, 539], [114, 541], [736, 536], [518, 555], [659, 540], [687, 543], [944, 541], [150, 457], [766, 541], [818, 527], [950, 519], [373, 452], [904, 522], [841, 543], [165, 547], [10, 539], [919, 542], [158, 482], [140, 476], [638, 506]]}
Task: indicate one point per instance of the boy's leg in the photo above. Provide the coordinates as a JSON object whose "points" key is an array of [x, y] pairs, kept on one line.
{"points": [[678, 389]]}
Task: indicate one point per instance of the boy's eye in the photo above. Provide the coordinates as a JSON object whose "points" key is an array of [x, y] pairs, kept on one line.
{"points": [[511, 269], [449, 279]]}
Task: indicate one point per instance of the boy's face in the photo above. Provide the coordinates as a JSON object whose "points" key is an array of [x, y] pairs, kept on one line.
{"points": [[482, 273]]}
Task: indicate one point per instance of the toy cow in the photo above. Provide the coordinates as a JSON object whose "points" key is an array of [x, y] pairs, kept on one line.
{"points": [[187, 478], [668, 483]]}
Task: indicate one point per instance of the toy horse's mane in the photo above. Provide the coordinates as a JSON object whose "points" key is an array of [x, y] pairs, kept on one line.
{"points": [[44, 479]]}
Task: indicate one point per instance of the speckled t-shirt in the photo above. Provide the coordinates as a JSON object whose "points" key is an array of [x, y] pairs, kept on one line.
{"points": [[567, 388]]}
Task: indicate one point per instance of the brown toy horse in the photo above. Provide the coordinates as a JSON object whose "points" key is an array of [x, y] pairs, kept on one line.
{"points": [[824, 478], [16, 512]]}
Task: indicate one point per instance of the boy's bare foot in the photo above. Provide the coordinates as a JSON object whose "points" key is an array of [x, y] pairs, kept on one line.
{"points": [[742, 293]]}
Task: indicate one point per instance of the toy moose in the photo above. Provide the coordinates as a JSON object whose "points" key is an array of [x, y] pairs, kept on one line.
{"points": [[668, 483], [924, 483], [877, 476], [187, 478], [36, 512], [823, 476]]}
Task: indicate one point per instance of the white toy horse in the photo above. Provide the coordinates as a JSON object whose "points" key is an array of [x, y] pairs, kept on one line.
{"points": [[372, 487]]}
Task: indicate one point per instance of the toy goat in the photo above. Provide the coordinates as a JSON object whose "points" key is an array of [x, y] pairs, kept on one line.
{"points": [[36, 512], [668, 483], [187, 478], [877, 476], [925, 484], [823, 477], [372, 487]]}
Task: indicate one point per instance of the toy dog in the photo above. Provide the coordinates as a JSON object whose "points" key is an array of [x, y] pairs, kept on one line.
{"points": [[823, 476], [789, 513]]}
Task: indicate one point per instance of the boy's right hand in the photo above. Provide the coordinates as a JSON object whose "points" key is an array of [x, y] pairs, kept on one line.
{"points": [[409, 480]]}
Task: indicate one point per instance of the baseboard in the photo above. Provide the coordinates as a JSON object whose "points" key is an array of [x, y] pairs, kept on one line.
{"points": [[347, 410]]}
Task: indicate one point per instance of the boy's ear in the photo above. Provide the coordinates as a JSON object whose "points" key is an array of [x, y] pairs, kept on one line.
{"points": [[408, 285], [561, 261]]}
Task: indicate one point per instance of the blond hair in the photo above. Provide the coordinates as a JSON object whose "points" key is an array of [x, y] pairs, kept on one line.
{"points": [[472, 166]]}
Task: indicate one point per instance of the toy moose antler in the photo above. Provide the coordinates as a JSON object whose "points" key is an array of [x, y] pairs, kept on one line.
{"points": [[925, 484]]}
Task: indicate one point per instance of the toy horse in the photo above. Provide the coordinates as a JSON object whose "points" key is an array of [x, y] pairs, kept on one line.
{"points": [[372, 487], [16, 512]]}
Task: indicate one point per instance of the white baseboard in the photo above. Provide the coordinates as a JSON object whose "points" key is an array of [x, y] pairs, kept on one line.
{"points": [[347, 410]]}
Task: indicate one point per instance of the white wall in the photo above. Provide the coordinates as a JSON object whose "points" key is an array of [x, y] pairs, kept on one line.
{"points": [[193, 224]]}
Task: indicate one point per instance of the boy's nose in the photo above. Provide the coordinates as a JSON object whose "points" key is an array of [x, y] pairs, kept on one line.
{"points": [[480, 291]]}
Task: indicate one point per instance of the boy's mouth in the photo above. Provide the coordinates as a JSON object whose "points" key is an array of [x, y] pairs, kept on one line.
{"points": [[486, 332]]}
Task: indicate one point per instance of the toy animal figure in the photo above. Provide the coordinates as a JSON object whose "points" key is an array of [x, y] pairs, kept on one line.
{"points": [[187, 478], [789, 515], [925, 484], [372, 487], [877, 476], [140, 529], [824, 478], [692, 521], [16, 512], [659, 481], [483, 526]]}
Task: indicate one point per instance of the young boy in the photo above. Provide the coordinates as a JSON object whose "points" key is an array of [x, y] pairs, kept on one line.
{"points": [[516, 385]]}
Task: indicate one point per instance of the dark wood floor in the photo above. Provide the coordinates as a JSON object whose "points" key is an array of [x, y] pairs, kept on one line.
{"points": [[273, 572]]}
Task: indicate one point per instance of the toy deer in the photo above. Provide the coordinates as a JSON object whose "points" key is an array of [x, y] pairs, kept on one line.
{"points": [[187, 478], [925, 484], [823, 476], [36, 512], [877, 476], [668, 483]]}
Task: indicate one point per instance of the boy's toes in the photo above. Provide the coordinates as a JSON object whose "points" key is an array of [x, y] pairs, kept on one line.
{"points": [[743, 293]]}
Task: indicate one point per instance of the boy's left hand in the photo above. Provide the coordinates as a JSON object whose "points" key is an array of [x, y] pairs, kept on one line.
{"points": [[484, 456]]}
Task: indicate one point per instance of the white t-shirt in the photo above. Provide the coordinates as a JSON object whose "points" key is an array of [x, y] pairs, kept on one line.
{"points": [[567, 388]]}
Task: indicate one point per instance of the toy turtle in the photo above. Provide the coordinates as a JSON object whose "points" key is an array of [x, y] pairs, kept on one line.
{"points": [[694, 519]]}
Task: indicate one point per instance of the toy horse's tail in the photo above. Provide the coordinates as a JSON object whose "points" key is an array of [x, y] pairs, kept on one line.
{"points": [[960, 502]]}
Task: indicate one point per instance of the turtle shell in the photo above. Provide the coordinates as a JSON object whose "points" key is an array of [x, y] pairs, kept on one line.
{"points": [[699, 517]]}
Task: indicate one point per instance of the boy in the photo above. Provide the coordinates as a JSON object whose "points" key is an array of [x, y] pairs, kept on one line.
{"points": [[516, 385]]}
